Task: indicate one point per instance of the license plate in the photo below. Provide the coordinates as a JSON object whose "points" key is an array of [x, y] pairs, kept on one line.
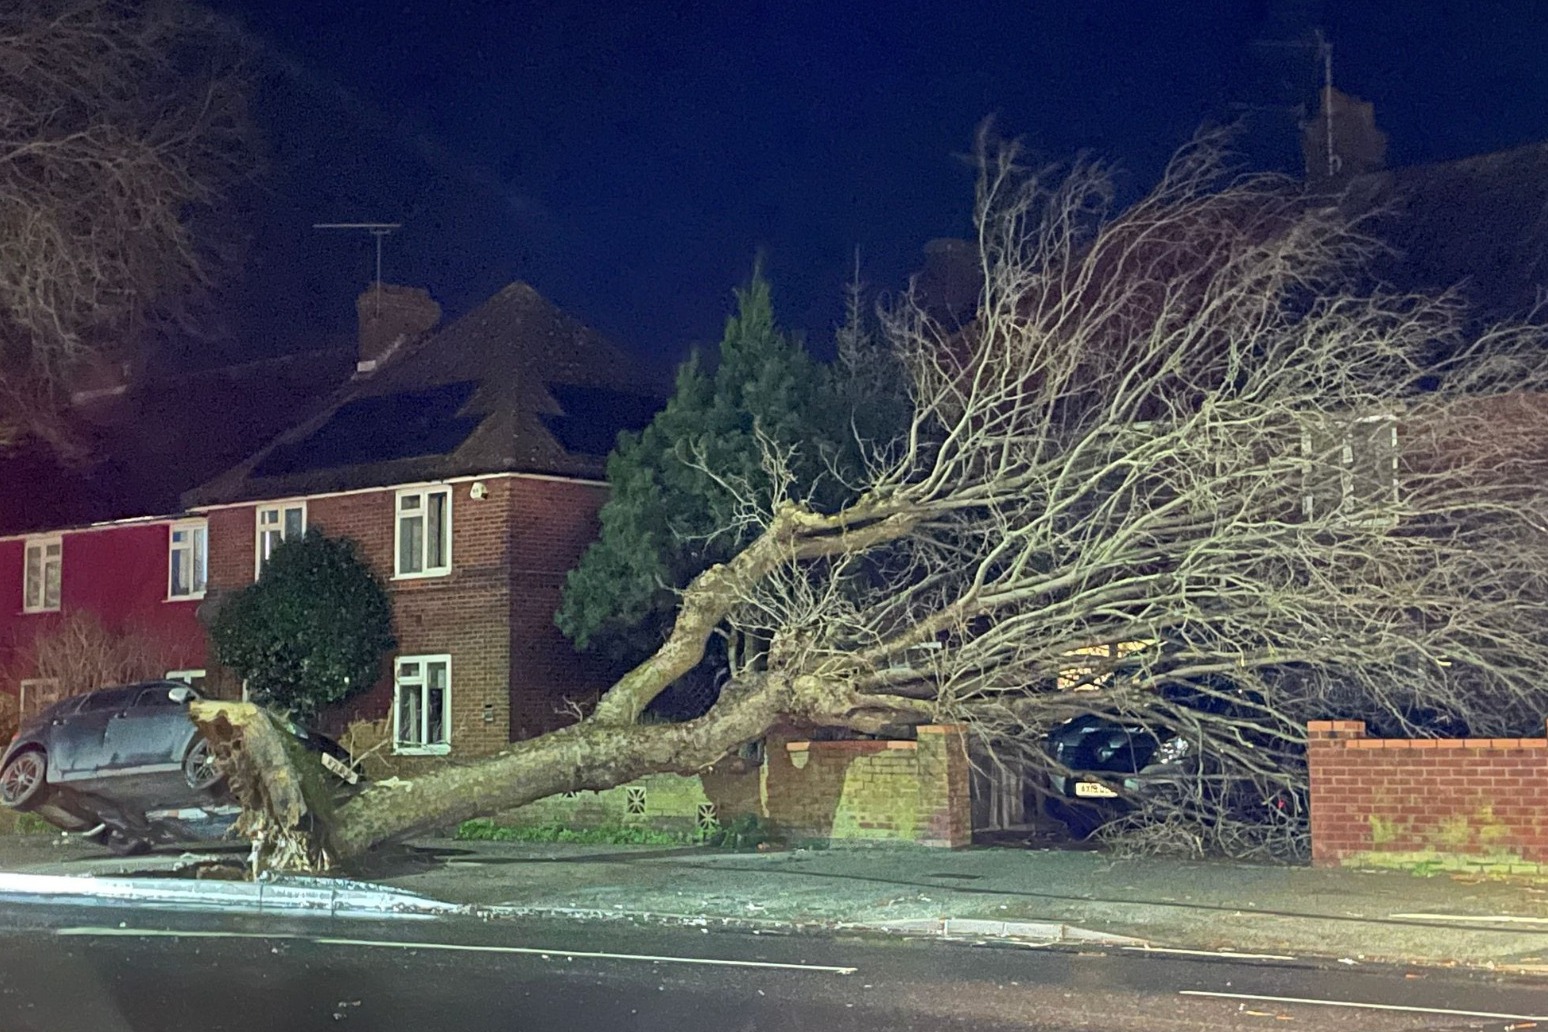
{"points": [[1093, 789], [338, 767]]}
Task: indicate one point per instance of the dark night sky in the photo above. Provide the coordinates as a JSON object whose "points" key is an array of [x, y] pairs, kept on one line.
{"points": [[628, 159]]}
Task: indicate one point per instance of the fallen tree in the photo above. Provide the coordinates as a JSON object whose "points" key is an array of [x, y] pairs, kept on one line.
{"points": [[1181, 454]]}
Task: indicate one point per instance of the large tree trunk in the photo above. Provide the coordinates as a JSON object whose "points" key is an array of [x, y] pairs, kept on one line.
{"points": [[587, 755], [606, 749]]}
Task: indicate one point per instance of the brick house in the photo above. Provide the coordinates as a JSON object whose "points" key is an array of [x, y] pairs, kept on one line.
{"points": [[92, 527], [467, 464]]}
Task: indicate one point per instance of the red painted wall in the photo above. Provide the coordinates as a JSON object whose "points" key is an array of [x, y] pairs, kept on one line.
{"points": [[118, 574]]}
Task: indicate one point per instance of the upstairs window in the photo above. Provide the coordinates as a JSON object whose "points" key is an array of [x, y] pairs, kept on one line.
{"points": [[1352, 469], [424, 532], [41, 573], [187, 560], [278, 523]]}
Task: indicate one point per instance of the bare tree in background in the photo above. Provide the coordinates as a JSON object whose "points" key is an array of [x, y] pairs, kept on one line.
{"points": [[80, 655], [121, 124], [1179, 445]]}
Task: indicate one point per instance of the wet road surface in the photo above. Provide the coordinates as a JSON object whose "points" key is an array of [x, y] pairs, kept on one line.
{"points": [[91, 967]]}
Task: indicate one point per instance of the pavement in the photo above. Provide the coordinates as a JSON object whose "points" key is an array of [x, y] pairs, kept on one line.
{"points": [[1337, 916]]}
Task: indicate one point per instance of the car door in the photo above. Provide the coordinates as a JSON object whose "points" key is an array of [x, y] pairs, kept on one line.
{"points": [[147, 736], [78, 743]]}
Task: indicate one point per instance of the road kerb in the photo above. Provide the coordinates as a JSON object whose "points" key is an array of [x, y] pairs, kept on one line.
{"points": [[292, 895]]}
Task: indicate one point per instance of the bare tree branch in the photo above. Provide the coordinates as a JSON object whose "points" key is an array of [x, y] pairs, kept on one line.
{"points": [[121, 123], [1181, 459]]}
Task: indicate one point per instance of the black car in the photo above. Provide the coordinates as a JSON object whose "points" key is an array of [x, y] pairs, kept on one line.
{"points": [[127, 766], [1109, 763]]}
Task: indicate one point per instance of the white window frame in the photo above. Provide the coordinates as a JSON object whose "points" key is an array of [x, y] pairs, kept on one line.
{"points": [[21, 694], [188, 677], [420, 683], [260, 552], [42, 543], [1346, 471], [423, 494], [198, 549]]}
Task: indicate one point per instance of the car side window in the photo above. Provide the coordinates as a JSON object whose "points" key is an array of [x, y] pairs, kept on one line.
{"points": [[157, 696], [99, 701]]}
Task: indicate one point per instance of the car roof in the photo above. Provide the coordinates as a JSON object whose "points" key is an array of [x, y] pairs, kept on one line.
{"points": [[71, 702]]}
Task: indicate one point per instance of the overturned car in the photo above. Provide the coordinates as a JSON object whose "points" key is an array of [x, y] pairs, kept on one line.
{"points": [[125, 767]]}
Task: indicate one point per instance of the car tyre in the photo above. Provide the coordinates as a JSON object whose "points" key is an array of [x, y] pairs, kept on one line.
{"points": [[199, 768], [24, 781]]}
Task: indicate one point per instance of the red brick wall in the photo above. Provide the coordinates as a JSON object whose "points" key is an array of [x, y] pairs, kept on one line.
{"points": [[552, 524], [886, 791], [524, 532], [1458, 802]]}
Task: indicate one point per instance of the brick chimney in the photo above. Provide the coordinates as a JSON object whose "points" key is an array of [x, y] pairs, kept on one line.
{"points": [[1341, 142], [391, 316]]}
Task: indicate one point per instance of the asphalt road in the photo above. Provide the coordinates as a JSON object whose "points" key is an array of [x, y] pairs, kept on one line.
{"points": [[85, 967]]}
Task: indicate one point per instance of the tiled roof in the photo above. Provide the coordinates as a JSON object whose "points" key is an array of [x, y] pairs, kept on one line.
{"points": [[147, 446], [500, 390], [1479, 224]]}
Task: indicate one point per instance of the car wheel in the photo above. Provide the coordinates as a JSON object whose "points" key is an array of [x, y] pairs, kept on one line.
{"points": [[23, 781], [122, 844], [199, 768]]}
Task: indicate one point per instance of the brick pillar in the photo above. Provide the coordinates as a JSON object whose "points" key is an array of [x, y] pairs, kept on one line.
{"points": [[1324, 751], [945, 810]]}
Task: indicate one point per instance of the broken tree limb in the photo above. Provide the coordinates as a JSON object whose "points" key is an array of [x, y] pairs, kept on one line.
{"points": [[282, 789]]}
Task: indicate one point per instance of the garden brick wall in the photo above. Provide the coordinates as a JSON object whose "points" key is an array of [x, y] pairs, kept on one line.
{"points": [[511, 669], [1466, 803], [853, 791]]}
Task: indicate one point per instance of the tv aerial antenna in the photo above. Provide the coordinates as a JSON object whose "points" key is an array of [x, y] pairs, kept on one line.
{"points": [[380, 230]]}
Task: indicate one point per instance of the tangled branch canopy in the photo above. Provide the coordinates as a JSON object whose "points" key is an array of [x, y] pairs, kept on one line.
{"points": [[1185, 457], [120, 125]]}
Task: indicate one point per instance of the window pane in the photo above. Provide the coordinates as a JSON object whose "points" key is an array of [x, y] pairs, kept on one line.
{"points": [[435, 707], [198, 559], [293, 521], [51, 550], [51, 571], [268, 517], [411, 544], [34, 578], [179, 571], [435, 674], [407, 670], [179, 536], [408, 715], [436, 539], [408, 503]]}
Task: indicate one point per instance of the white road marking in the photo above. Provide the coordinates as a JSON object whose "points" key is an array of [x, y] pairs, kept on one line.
{"points": [[1210, 953], [1469, 918], [166, 933], [459, 947], [1363, 1006]]}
